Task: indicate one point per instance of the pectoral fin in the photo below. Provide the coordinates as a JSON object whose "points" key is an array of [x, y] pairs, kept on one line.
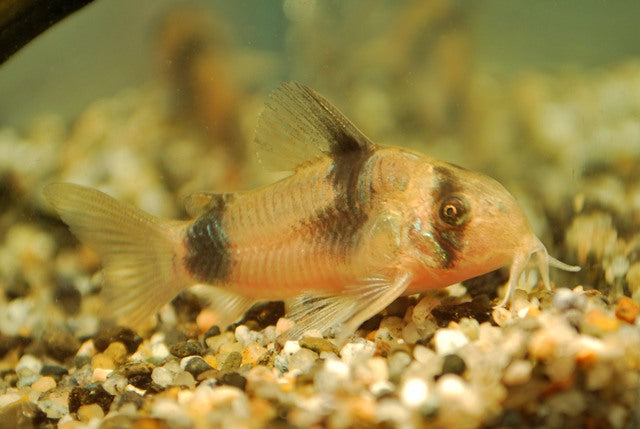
{"points": [[349, 309]]}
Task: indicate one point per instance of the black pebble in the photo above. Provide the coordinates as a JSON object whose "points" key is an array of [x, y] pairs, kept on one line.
{"points": [[60, 345], [265, 313], [67, 296], [187, 306], [453, 364], [92, 394], [10, 343], [126, 336], [479, 309], [486, 284], [233, 379], [196, 366], [187, 348], [54, 370], [212, 332]]}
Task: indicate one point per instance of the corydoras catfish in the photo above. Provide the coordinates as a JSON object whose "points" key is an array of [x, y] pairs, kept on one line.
{"points": [[354, 226]]}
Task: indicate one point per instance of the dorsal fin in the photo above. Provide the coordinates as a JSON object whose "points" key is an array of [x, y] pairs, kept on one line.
{"points": [[298, 125], [199, 203]]}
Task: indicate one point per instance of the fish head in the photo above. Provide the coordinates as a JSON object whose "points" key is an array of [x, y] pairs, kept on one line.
{"points": [[466, 224]]}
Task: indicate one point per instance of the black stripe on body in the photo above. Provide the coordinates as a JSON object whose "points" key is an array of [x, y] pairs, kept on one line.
{"points": [[449, 238], [208, 258], [339, 223]]}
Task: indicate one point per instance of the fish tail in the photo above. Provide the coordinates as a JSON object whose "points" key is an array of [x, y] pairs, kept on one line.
{"points": [[138, 251]]}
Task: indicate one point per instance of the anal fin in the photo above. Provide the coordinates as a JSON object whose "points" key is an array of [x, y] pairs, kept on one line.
{"points": [[228, 305]]}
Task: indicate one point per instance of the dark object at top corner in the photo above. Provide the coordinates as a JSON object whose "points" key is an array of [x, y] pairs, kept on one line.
{"points": [[22, 21]]}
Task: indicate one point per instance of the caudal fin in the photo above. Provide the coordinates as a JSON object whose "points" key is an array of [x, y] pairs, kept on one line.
{"points": [[137, 250]]}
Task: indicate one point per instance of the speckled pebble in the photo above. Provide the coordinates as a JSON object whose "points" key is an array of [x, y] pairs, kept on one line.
{"points": [[186, 348], [138, 374], [302, 360], [54, 403], [115, 383], [357, 352], [232, 362]]}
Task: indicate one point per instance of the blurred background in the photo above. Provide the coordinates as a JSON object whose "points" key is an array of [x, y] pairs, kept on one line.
{"points": [[110, 45]]}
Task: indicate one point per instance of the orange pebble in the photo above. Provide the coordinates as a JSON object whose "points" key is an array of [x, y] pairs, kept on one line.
{"points": [[627, 309]]}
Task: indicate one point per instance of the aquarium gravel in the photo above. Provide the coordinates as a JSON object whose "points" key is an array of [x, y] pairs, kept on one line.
{"points": [[568, 145]]}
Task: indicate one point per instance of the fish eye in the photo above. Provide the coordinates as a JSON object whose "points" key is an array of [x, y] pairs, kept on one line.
{"points": [[454, 210]]}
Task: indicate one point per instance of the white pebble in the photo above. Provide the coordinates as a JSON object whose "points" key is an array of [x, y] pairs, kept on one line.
{"points": [[423, 354], [334, 374], [184, 378], [30, 363], [451, 386], [159, 351], [518, 372], [170, 411], [100, 374], [290, 347], [87, 349], [162, 376], [414, 392], [449, 341]]}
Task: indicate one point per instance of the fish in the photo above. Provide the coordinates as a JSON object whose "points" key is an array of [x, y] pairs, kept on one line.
{"points": [[353, 226]]}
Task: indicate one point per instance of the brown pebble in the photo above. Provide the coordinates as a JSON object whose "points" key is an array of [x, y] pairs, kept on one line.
{"points": [[318, 344], [117, 352], [627, 309]]}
